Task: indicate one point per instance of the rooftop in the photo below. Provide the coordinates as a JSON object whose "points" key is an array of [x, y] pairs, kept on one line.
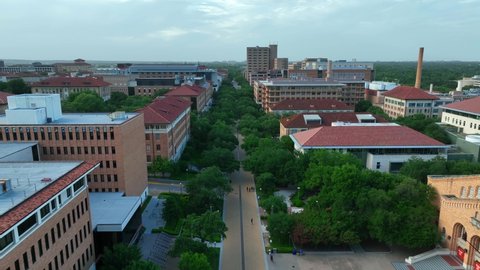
{"points": [[164, 110], [111, 211], [34, 183], [83, 119], [471, 105], [298, 120], [3, 97], [71, 82], [7, 149], [186, 90], [163, 68], [372, 136], [306, 82], [409, 93], [311, 104]]}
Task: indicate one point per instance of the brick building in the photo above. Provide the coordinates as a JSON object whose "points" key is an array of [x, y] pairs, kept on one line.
{"points": [[459, 221], [3, 101], [317, 105], [269, 93], [116, 141], [167, 127], [405, 101], [64, 86], [45, 219], [260, 60], [198, 96], [78, 65]]}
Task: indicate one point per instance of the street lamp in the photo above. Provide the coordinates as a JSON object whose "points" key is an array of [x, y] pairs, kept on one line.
{"points": [[298, 193]]}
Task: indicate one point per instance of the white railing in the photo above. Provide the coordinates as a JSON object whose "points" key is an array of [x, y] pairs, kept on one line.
{"points": [[462, 243], [426, 255]]}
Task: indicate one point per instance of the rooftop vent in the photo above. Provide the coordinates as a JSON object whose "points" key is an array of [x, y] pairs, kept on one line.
{"points": [[5, 185], [46, 180], [117, 116]]}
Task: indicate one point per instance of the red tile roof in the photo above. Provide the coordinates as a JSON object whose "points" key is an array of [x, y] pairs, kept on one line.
{"points": [[363, 136], [71, 82], [164, 110], [311, 104], [409, 93], [186, 90], [471, 105], [26, 207], [3, 97], [297, 120]]}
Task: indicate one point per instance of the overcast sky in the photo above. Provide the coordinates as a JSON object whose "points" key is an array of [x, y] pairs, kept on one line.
{"points": [[210, 30]]}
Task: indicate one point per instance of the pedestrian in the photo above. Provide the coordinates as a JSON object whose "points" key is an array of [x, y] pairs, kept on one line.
{"points": [[251, 221], [271, 257]]}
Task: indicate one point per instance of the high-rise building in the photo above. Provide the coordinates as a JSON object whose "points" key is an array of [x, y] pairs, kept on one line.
{"points": [[260, 60], [280, 63]]}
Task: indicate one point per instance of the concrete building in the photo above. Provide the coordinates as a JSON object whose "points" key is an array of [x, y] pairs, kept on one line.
{"points": [[167, 127], [78, 65], [260, 60], [70, 85], [45, 220], [3, 101], [472, 81], [464, 115], [374, 91], [198, 96], [348, 71], [317, 105], [405, 101], [118, 83], [116, 141], [305, 121], [458, 201], [280, 63], [383, 147], [269, 93]]}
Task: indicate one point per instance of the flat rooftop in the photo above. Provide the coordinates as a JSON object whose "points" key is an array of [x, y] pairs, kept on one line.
{"points": [[111, 211], [7, 149], [26, 179], [81, 119], [312, 82]]}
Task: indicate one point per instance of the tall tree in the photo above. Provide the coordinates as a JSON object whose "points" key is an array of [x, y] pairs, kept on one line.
{"points": [[208, 226], [194, 261]]}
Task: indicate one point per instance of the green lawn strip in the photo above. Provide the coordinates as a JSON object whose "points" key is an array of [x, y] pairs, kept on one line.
{"points": [[147, 201]]}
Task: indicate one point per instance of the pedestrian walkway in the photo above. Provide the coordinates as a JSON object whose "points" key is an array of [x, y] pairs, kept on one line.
{"points": [[243, 247]]}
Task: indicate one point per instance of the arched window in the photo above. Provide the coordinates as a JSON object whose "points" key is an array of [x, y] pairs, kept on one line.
{"points": [[471, 192], [464, 235], [463, 193], [478, 192]]}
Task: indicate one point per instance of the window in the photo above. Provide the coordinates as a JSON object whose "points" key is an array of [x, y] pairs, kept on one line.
{"points": [[25, 260], [113, 150], [40, 248], [69, 193], [114, 163], [6, 240], [79, 184], [47, 243], [34, 256], [52, 233], [27, 224], [378, 165]]}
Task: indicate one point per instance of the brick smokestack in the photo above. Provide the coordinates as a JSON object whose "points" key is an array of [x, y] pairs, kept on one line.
{"points": [[329, 70], [418, 80]]}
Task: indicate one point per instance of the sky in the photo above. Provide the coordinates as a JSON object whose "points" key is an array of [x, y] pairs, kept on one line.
{"points": [[220, 30]]}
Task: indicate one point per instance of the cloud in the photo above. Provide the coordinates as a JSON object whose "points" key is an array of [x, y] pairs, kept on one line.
{"points": [[168, 34]]}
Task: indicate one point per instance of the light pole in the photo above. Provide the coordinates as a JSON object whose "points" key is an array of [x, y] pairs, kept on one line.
{"points": [[298, 193]]}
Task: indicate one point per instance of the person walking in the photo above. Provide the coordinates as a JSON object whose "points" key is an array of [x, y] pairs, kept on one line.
{"points": [[251, 221]]}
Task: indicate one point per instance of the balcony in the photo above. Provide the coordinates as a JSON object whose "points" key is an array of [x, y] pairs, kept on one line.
{"points": [[475, 222]]}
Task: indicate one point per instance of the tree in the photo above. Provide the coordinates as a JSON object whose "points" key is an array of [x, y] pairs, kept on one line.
{"points": [[185, 244], [17, 87], [194, 261], [207, 190], [174, 208], [208, 226], [416, 168], [161, 165], [280, 226], [222, 157], [86, 101], [378, 111], [142, 265], [265, 183], [363, 106], [274, 204], [120, 256]]}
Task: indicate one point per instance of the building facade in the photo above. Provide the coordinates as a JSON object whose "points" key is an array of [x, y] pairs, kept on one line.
{"points": [[116, 141], [269, 93], [317, 105], [464, 115], [459, 221], [167, 127], [3, 101], [78, 65], [382, 147], [260, 60], [50, 228], [198, 96], [65, 86], [403, 101]]}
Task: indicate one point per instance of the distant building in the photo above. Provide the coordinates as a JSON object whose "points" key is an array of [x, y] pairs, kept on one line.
{"points": [[270, 92], [64, 86], [305, 121], [3, 101], [45, 220], [167, 127], [458, 201], [316, 105], [118, 83], [116, 141], [464, 115], [374, 91], [78, 65], [280, 63], [473, 81], [405, 101], [260, 60], [383, 147]]}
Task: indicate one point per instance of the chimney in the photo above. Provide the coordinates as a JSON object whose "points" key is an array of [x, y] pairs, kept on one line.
{"points": [[431, 87], [329, 70], [418, 81]]}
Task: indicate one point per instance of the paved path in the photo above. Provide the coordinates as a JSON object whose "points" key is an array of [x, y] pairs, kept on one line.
{"points": [[243, 249]]}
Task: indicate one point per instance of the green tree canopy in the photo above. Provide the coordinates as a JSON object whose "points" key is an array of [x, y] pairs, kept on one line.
{"points": [[208, 226], [120, 257], [194, 261]]}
